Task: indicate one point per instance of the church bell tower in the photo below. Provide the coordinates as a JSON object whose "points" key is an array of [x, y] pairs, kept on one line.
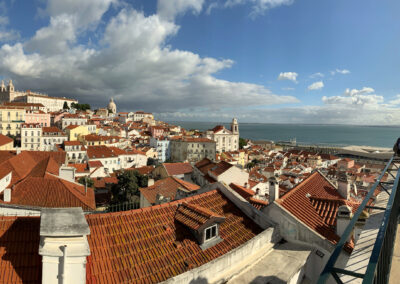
{"points": [[235, 126]]}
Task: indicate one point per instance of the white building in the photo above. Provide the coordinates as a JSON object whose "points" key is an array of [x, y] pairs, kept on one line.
{"points": [[52, 136], [162, 146], [31, 136], [227, 140], [9, 94]]}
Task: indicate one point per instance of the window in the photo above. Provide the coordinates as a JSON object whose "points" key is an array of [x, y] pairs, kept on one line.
{"points": [[210, 233]]}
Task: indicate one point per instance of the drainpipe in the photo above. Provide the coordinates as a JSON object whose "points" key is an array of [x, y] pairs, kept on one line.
{"points": [[64, 267]]}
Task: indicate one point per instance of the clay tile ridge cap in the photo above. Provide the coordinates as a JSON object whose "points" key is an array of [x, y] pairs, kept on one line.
{"points": [[203, 211]]}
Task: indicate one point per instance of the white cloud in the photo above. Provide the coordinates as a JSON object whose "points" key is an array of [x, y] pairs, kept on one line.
{"points": [[317, 75], [169, 9], [316, 86], [291, 76], [340, 71], [396, 101], [130, 62], [258, 6], [361, 97]]}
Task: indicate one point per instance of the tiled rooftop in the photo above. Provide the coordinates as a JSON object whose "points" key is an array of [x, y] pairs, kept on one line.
{"points": [[299, 203], [178, 168], [167, 187], [148, 246]]}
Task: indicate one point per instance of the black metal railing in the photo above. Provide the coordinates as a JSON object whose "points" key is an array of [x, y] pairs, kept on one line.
{"points": [[378, 268], [117, 207]]}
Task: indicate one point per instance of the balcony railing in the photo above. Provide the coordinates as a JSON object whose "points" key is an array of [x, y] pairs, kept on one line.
{"points": [[379, 263]]}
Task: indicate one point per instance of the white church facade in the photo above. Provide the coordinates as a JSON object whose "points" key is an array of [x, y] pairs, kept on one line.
{"points": [[227, 140]]}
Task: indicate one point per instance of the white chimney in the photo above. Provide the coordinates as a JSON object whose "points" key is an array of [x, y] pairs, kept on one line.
{"points": [[7, 195], [67, 173], [63, 245], [343, 185], [150, 182], [273, 188], [343, 218]]}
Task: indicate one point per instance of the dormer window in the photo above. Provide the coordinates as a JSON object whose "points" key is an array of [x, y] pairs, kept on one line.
{"points": [[210, 233], [202, 222]]}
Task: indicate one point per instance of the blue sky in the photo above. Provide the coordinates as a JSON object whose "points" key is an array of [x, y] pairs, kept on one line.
{"points": [[296, 61]]}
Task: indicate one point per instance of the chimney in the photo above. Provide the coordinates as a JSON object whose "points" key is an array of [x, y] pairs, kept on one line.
{"points": [[246, 185], [63, 245], [273, 188], [67, 173], [18, 151], [343, 185], [344, 216], [7, 195], [150, 182]]}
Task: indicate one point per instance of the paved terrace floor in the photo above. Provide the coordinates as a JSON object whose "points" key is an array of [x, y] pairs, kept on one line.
{"points": [[277, 267]]}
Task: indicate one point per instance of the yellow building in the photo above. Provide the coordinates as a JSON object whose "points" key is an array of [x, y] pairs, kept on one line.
{"points": [[11, 119], [77, 132]]}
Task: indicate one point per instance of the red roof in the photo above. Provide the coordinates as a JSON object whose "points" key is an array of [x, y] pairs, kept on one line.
{"points": [[194, 216], [299, 203], [20, 261], [145, 170], [178, 168], [35, 182], [5, 140], [242, 191], [167, 187], [95, 164], [148, 246], [220, 168], [72, 143]]}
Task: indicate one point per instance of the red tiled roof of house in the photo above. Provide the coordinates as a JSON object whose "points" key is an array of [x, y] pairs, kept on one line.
{"points": [[177, 168], [71, 126], [95, 164], [167, 187], [298, 203], [80, 168], [20, 261], [328, 208], [5, 140], [145, 170], [72, 143], [148, 245], [242, 191], [220, 168], [257, 203], [99, 152], [51, 129], [194, 216]]}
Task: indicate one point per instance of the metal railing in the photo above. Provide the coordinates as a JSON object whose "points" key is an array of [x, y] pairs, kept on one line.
{"points": [[117, 207], [380, 261]]}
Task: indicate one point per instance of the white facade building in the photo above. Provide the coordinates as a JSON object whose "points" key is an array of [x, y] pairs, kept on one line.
{"points": [[227, 140], [31, 136]]}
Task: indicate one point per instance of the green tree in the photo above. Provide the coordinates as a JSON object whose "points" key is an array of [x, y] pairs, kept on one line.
{"points": [[65, 106], [242, 143], [86, 180], [127, 188]]}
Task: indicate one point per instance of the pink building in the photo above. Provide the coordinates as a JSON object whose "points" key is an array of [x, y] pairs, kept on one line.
{"points": [[157, 131], [37, 116], [346, 163]]}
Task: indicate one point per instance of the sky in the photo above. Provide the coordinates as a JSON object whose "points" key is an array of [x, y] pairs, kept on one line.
{"points": [[267, 61]]}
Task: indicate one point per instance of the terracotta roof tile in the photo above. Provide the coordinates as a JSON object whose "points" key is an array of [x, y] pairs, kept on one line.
{"points": [[149, 246], [19, 246], [5, 140], [298, 202], [178, 168], [194, 216], [167, 187]]}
